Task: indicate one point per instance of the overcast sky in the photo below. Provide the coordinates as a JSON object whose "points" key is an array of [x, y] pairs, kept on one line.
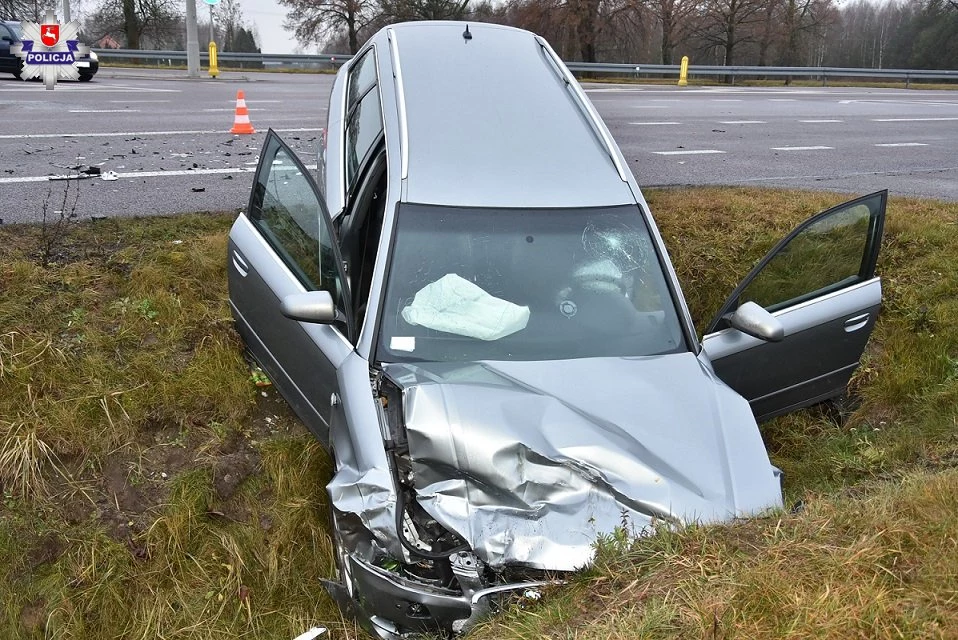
{"points": [[267, 17]]}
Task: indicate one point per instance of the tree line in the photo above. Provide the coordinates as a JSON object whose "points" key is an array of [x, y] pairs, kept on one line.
{"points": [[920, 34], [898, 33]]}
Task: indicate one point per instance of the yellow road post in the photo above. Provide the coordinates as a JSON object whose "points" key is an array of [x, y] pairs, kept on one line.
{"points": [[684, 72], [214, 70]]}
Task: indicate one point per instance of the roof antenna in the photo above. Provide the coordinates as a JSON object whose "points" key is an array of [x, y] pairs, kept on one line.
{"points": [[466, 35]]}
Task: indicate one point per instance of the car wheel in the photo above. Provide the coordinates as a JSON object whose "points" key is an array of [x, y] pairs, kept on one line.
{"points": [[86, 77]]}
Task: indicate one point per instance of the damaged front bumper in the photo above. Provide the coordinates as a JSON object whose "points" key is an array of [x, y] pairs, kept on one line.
{"points": [[393, 607]]}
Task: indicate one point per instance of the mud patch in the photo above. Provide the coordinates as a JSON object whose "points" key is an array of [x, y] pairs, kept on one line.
{"points": [[33, 617], [231, 470], [47, 549]]}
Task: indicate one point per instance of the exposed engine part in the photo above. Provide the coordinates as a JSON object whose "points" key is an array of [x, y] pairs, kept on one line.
{"points": [[466, 567], [436, 535]]}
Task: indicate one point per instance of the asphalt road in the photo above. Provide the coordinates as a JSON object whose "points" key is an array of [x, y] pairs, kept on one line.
{"points": [[168, 138]]}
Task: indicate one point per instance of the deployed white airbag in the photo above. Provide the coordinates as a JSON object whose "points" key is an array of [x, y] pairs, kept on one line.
{"points": [[455, 305]]}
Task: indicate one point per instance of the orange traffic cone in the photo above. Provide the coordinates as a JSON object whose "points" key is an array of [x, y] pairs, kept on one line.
{"points": [[241, 123]]}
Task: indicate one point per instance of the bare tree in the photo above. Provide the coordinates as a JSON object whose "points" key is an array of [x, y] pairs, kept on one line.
{"points": [[316, 20], [230, 20], [727, 24], [19, 10], [799, 17], [401, 10], [145, 23], [673, 17]]}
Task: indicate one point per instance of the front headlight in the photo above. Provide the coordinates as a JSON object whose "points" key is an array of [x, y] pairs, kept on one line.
{"points": [[93, 55]]}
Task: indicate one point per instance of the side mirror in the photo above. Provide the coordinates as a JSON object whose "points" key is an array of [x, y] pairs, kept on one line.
{"points": [[312, 306], [752, 319]]}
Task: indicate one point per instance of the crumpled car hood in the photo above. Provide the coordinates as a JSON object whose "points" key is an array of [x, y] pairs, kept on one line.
{"points": [[529, 462]]}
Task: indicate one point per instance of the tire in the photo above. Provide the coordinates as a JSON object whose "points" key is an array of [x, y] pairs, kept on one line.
{"points": [[86, 77]]}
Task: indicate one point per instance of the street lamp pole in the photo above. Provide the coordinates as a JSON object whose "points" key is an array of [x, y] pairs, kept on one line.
{"points": [[192, 41]]}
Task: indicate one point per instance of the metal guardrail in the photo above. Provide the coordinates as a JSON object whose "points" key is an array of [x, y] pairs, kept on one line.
{"points": [[738, 71], [272, 60]]}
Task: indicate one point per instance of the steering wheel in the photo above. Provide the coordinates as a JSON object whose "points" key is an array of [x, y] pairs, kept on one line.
{"points": [[597, 299]]}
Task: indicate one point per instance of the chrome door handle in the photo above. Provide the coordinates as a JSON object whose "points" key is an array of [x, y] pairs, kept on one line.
{"points": [[856, 323], [240, 264]]}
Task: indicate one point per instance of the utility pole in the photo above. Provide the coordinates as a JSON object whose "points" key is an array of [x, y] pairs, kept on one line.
{"points": [[66, 11], [192, 41]]}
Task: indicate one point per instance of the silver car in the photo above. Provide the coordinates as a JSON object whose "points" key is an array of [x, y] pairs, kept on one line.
{"points": [[473, 308]]}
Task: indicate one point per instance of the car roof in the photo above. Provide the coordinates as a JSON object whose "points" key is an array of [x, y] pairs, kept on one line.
{"points": [[492, 122]]}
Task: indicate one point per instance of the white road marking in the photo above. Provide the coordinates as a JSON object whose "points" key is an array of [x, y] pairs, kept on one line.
{"points": [[690, 152], [742, 122], [781, 99], [911, 119], [100, 88], [104, 110], [138, 101], [819, 121], [150, 174], [654, 123], [649, 106], [929, 103], [901, 144], [21, 136], [726, 100], [815, 148]]}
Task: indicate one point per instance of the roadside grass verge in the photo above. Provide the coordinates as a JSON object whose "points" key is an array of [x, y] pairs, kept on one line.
{"points": [[151, 490]]}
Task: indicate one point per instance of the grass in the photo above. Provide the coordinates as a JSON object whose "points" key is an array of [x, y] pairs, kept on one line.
{"points": [[151, 490]]}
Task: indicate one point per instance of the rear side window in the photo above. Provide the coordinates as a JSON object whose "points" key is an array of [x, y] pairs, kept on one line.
{"points": [[364, 119], [361, 78]]}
